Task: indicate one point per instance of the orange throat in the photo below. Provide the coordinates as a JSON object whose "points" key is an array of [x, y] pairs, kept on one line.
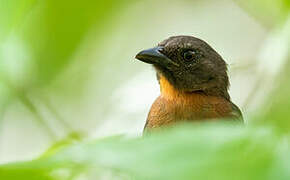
{"points": [[169, 92]]}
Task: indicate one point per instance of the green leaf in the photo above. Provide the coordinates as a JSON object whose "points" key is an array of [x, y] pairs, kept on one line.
{"points": [[212, 151]]}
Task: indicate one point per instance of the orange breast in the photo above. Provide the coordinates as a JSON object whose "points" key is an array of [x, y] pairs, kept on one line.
{"points": [[174, 106]]}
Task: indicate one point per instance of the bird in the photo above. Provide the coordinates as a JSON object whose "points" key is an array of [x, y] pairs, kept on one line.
{"points": [[193, 83]]}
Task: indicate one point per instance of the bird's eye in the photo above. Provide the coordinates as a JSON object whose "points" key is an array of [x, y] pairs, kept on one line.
{"points": [[189, 55]]}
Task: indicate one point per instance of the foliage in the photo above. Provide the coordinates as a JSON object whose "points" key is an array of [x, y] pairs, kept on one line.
{"points": [[39, 40], [48, 33], [211, 151]]}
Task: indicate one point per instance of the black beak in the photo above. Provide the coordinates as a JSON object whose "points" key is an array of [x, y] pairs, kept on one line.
{"points": [[154, 56]]}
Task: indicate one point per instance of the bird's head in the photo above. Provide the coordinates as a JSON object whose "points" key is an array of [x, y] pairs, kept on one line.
{"points": [[189, 65]]}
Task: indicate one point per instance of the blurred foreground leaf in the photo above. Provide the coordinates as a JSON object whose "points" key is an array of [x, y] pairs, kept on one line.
{"points": [[187, 152]]}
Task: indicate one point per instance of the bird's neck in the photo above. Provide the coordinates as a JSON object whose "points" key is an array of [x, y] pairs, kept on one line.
{"points": [[170, 93]]}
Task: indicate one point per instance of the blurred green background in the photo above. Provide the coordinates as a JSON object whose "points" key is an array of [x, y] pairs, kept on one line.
{"points": [[69, 86]]}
